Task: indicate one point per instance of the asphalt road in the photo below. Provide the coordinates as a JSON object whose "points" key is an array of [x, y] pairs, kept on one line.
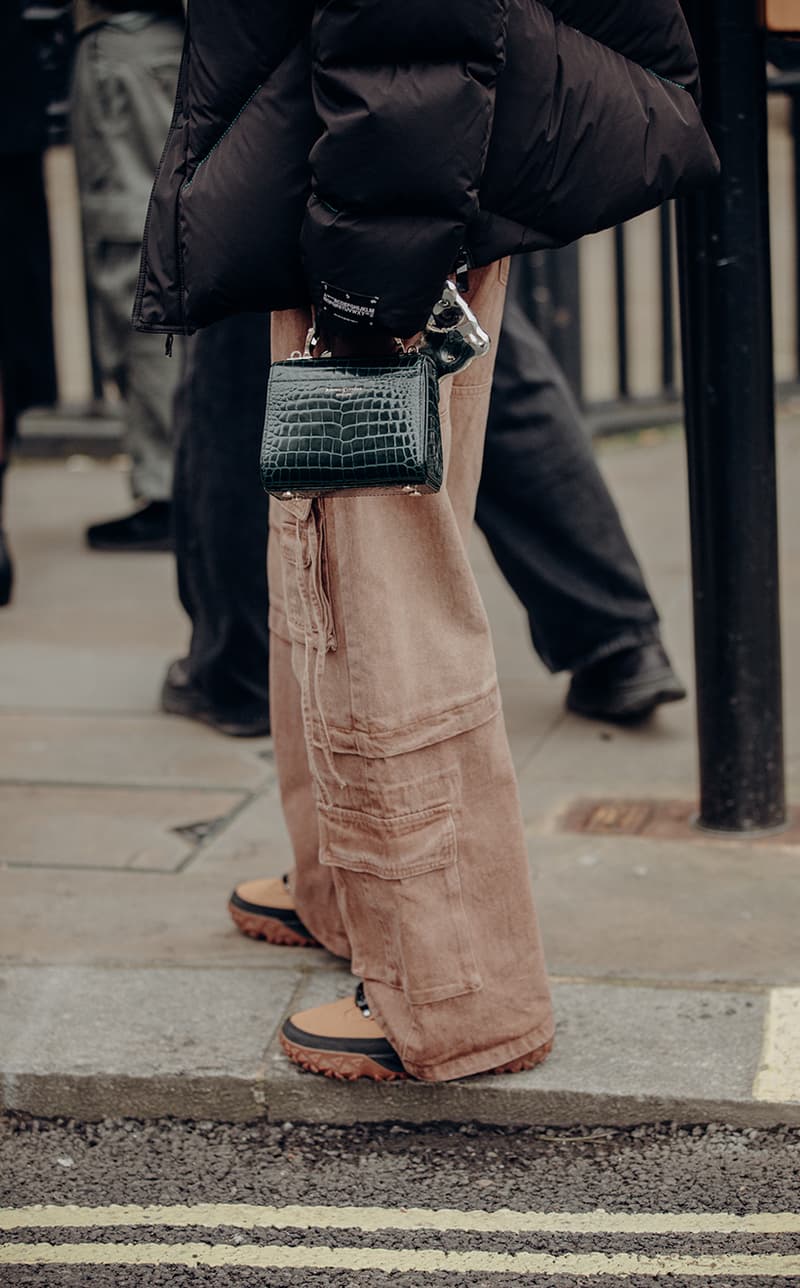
{"points": [[210, 1205]]}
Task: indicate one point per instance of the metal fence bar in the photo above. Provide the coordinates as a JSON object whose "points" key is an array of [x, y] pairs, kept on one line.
{"points": [[621, 286], [667, 272]]}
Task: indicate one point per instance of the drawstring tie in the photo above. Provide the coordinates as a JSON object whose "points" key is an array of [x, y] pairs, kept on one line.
{"points": [[318, 632]]}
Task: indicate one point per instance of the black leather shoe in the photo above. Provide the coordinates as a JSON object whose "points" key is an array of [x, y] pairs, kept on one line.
{"points": [[628, 685], [179, 697], [6, 571], [149, 528]]}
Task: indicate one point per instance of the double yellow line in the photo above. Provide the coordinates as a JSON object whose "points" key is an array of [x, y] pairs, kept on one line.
{"points": [[372, 1220]]}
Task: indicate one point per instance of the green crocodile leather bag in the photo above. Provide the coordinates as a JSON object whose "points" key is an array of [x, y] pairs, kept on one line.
{"points": [[335, 427]]}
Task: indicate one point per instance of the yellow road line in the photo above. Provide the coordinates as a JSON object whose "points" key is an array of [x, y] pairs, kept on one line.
{"points": [[389, 1259], [245, 1216], [778, 1079]]}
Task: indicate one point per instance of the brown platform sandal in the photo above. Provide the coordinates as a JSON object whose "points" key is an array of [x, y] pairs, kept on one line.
{"points": [[341, 1040], [264, 909]]}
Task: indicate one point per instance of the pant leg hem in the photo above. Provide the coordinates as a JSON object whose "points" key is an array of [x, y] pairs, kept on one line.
{"points": [[484, 1061], [633, 638]]}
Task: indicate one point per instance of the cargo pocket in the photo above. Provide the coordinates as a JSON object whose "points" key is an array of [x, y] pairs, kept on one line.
{"points": [[293, 569], [399, 892]]}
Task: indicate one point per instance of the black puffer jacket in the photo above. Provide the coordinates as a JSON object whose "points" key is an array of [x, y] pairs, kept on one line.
{"points": [[355, 148]]}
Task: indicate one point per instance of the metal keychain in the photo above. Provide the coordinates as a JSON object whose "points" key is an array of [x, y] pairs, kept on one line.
{"points": [[453, 336]]}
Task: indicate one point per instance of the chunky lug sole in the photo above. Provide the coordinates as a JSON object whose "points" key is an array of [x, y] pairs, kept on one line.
{"points": [[260, 926], [348, 1066], [275, 925], [344, 1066]]}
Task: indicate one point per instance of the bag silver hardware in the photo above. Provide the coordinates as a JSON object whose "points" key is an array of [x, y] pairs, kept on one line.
{"points": [[453, 336]]}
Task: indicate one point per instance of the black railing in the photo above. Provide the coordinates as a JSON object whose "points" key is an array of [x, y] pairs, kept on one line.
{"points": [[557, 293]]}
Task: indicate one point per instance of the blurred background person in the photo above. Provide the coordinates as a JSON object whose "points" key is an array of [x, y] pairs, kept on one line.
{"points": [[126, 70], [220, 518], [27, 364], [557, 536]]}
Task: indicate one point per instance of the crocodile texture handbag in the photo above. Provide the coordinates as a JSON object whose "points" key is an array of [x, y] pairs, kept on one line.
{"points": [[352, 428]]}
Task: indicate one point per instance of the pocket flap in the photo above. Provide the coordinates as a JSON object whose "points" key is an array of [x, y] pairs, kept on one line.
{"points": [[390, 848]]}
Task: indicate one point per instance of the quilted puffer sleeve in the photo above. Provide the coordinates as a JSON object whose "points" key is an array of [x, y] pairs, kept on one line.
{"points": [[404, 90]]}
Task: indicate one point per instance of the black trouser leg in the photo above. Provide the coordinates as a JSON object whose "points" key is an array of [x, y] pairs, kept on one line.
{"points": [[221, 512], [546, 511]]}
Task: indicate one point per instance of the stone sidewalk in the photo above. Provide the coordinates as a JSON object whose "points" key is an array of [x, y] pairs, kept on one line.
{"points": [[124, 990]]}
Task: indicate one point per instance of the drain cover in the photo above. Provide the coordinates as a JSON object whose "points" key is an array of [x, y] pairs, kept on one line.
{"points": [[665, 820], [628, 817]]}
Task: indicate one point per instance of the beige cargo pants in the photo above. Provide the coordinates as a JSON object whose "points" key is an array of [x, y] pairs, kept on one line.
{"points": [[394, 767]]}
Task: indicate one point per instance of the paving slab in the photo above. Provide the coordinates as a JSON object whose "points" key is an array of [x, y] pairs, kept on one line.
{"points": [[60, 677], [623, 1041], [580, 759], [127, 918], [49, 826], [622, 1056], [610, 908], [682, 912], [68, 597], [90, 1043], [136, 751], [255, 844], [533, 708]]}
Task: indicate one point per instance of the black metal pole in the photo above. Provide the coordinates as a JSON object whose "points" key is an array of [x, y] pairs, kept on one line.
{"points": [[730, 421]]}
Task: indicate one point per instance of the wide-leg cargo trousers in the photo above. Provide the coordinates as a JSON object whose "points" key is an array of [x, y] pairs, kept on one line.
{"points": [[395, 772]]}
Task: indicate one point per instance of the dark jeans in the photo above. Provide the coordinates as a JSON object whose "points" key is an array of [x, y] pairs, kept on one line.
{"points": [[221, 511], [548, 516], [546, 511]]}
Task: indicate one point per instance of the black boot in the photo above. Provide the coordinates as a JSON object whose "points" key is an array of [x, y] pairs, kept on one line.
{"points": [[180, 697], [148, 528], [6, 566], [627, 685]]}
